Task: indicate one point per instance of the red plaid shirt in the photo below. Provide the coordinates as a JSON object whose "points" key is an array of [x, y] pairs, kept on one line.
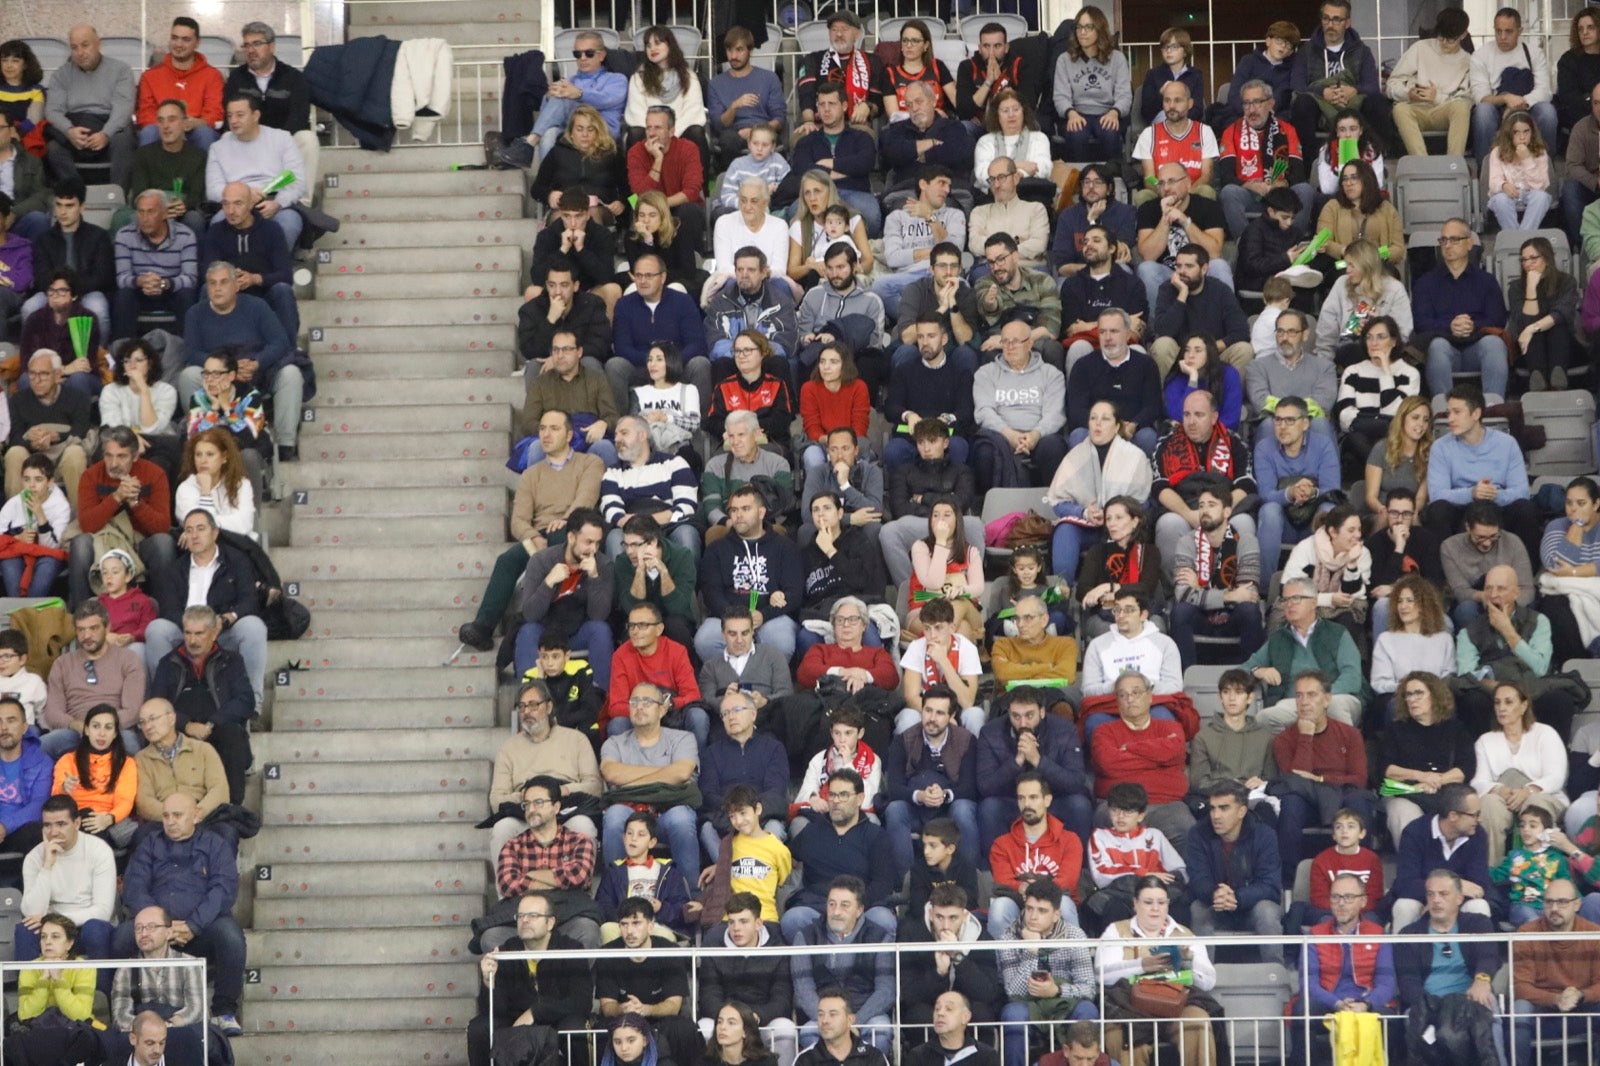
{"points": [[570, 856]]}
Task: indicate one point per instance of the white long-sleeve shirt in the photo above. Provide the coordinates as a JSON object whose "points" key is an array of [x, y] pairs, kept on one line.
{"points": [[1114, 965], [82, 885], [255, 162], [1488, 62], [1541, 756], [237, 515]]}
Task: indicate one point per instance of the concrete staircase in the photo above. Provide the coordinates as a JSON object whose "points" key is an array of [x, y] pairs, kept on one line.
{"points": [[376, 764]]}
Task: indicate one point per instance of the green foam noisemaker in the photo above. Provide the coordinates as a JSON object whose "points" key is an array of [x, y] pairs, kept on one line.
{"points": [[1279, 169], [1323, 237], [79, 326], [1349, 149], [282, 181], [1041, 682]]}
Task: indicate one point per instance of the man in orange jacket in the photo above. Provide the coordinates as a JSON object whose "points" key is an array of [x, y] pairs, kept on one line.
{"points": [[184, 74]]}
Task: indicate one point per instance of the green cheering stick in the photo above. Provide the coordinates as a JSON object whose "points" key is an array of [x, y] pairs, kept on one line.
{"points": [[1323, 237], [278, 184], [79, 326]]}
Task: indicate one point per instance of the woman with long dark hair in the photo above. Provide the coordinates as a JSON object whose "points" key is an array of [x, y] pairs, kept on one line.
{"points": [[101, 777], [1542, 306], [736, 1038], [1199, 366], [1371, 391], [665, 79], [917, 63]]}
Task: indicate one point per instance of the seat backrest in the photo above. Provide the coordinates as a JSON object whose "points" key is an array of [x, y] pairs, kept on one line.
{"points": [[972, 27], [1254, 995], [766, 57], [1430, 189], [131, 50], [951, 51], [889, 29], [219, 52], [290, 49], [1505, 264], [1567, 418], [690, 42], [51, 52], [812, 36], [1200, 682], [1589, 670]]}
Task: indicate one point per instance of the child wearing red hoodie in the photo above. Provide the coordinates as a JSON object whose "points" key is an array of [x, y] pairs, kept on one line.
{"points": [[1127, 851]]}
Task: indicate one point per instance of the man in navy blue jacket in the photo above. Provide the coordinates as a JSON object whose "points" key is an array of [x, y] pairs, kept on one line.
{"points": [[847, 845], [738, 755], [260, 253], [902, 143], [1233, 871], [653, 312], [1452, 840], [931, 772], [1437, 966], [192, 872], [210, 690], [847, 154], [1026, 738]]}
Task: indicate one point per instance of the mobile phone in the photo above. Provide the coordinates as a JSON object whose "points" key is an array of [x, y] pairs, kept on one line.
{"points": [[1041, 975]]}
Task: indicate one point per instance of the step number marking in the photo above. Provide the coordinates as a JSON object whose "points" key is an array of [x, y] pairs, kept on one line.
{"points": [[272, 771], [308, 414], [324, 255], [291, 588], [301, 497], [331, 181], [281, 678], [263, 873], [252, 976], [316, 333]]}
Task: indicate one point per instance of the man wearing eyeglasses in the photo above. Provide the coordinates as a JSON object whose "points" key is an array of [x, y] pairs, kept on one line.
{"points": [[1292, 369], [1297, 470], [650, 314], [555, 992], [1344, 973], [1453, 304], [547, 857], [229, 318], [1334, 70], [1096, 206], [1013, 292], [649, 657], [651, 754], [285, 96], [1437, 966], [1175, 221], [1554, 977], [1452, 841], [540, 747], [1026, 220], [1468, 557], [1400, 547], [1251, 149]]}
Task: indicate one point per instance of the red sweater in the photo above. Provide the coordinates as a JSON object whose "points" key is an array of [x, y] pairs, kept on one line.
{"points": [[680, 171], [822, 411], [824, 657], [1154, 757], [1364, 864], [130, 613], [668, 667], [152, 513], [1058, 854], [1336, 754]]}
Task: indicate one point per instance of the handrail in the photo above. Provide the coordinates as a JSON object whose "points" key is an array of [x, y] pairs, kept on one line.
{"points": [[1304, 1018], [118, 964]]}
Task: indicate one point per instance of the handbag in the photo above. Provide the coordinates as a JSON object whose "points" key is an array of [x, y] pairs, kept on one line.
{"points": [[1159, 999]]}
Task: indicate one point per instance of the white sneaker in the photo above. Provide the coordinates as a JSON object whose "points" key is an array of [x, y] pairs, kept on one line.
{"points": [[1302, 277]]}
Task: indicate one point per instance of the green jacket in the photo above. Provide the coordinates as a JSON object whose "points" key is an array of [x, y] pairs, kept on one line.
{"points": [[1038, 292], [680, 567], [1330, 650]]}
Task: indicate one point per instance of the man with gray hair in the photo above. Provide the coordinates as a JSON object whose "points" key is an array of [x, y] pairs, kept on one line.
{"points": [[229, 319], [158, 266], [89, 108], [752, 225], [1025, 220], [285, 96], [1301, 645], [210, 689], [741, 460], [1248, 157], [591, 84], [48, 418]]}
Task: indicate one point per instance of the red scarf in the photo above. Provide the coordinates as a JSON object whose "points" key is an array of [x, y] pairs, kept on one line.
{"points": [[857, 74], [1125, 564], [1203, 557], [1182, 456], [930, 673]]}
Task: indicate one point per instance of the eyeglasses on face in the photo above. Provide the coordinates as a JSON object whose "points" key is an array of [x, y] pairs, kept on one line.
{"points": [[585, 53]]}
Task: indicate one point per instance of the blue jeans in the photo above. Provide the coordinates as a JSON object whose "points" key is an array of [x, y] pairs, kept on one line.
{"points": [[1524, 1027], [221, 944], [93, 302], [601, 449], [1066, 544], [677, 828], [1486, 119], [1155, 274], [866, 205], [45, 570], [695, 720], [1237, 201], [890, 287], [1485, 356], [904, 818], [1466, 613], [593, 637], [1296, 813], [779, 631], [1527, 213], [1243, 621], [1003, 910], [997, 813], [900, 450], [202, 137], [1272, 525], [1015, 1038], [94, 940], [1094, 143]]}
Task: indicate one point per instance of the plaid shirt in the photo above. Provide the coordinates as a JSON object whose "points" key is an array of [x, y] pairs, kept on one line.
{"points": [[182, 988], [570, 856]]}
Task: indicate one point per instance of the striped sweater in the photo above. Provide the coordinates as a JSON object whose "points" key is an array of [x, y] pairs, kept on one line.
{"points": [[177, 257], [1366, 390], [627, 490]]}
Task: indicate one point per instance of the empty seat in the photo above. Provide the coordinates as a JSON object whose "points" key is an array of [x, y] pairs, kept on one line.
{"points": [[1429, 190], [1254, 995], [1567, 419], [951, 51], [812, 36], [131, 50]]}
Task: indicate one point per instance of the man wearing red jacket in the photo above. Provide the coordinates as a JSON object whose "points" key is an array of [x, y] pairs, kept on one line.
{"points": [[651, 656], [129, 495], [183, 75], [1137, 747], [671, 166], [1038, 847], [1323, 768]]}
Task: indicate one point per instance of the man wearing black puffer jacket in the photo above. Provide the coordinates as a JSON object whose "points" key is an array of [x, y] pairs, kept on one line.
{"points": [[913, 489], [746, 974]]}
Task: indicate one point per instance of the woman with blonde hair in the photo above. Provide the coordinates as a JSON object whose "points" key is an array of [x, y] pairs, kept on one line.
{"points": [[808, 238], [1400, 459], [1365, 291], [586, 157], [655, 230]]}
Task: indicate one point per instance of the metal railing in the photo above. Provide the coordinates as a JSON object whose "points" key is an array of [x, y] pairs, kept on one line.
{"points": [[1251, 1039], [183, 961]]}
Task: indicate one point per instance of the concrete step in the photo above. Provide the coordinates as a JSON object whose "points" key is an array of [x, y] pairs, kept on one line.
{"points": [[460, 36], [346, 261], [405, 446], [484, 400], [374, 624], [335, 1016], [381, 808], [367, 380], [413, 366], [422, 533], [420, 473], [406, 286], [441, 418], [301, 984], [440, 910], [422, 312], [391, 653], [484, 208], [291, 879], [321, 716], [406, 158], [367, 503], [425, 183], [383, 341], [389, 597], [369, 684], [432, 1048], [382, 564], [358, 745], [342, 844], [506, 233], [405, 14], [354, 778]]}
